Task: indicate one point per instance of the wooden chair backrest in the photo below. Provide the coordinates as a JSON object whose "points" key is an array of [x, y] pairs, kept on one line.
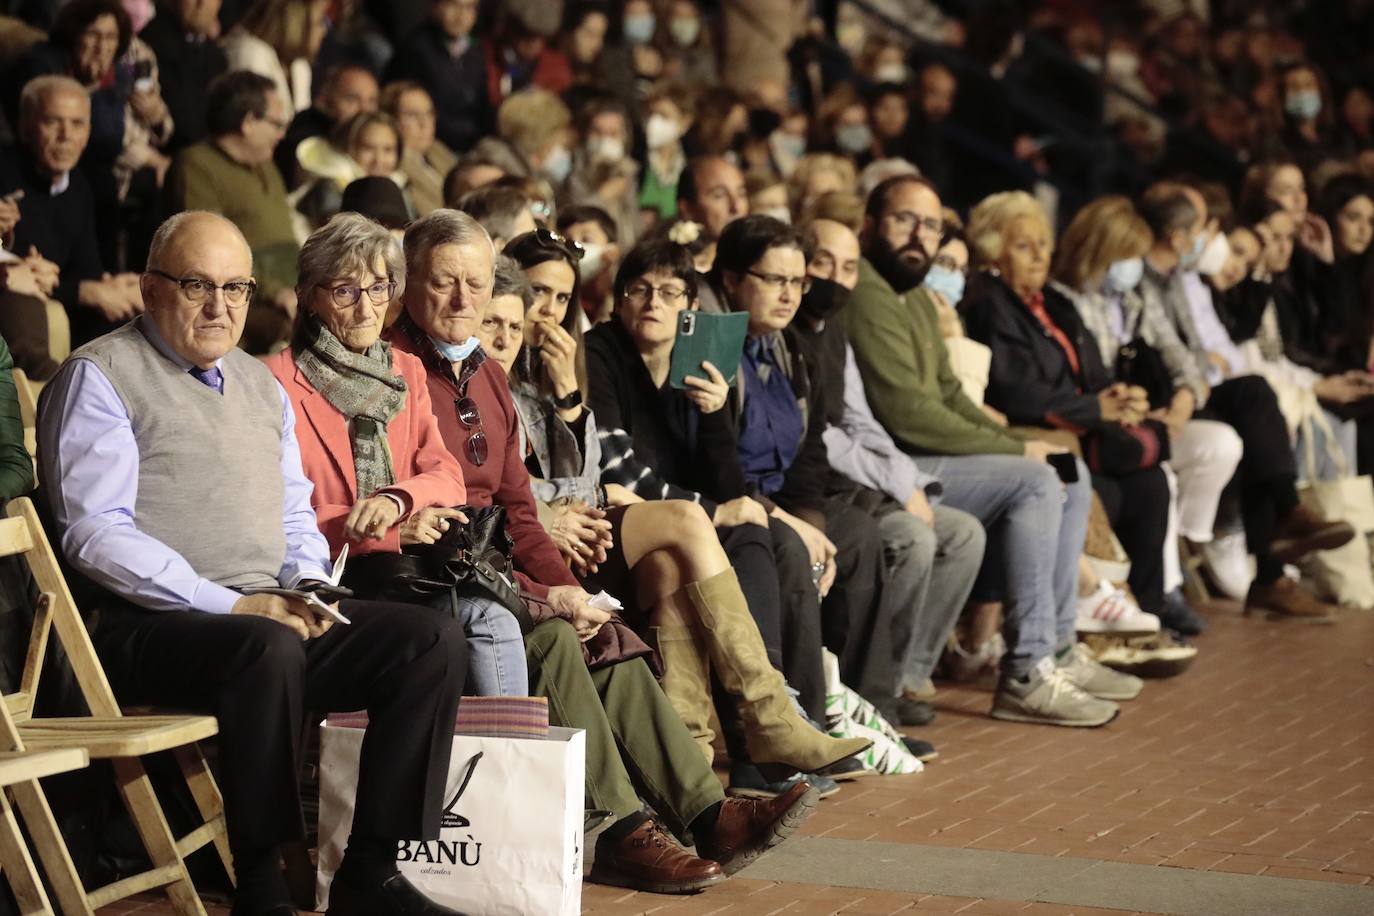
{"points": [[22, 534], [28, 410]]}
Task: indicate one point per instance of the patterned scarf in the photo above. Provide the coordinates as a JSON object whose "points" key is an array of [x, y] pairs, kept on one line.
{"points": [[360, 386]]}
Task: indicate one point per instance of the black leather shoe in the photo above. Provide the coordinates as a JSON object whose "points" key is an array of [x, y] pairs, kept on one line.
{"points": [[394, 896], [921, 750]]}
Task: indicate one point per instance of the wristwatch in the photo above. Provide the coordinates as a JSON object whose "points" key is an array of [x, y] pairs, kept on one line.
{"points": [[569, 401]]}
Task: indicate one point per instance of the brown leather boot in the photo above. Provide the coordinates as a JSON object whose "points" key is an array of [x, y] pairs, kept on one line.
{"points": [[1285, 598], [746, 828], [775, 731], [686, 670], [1303, 531], [651, 860]]}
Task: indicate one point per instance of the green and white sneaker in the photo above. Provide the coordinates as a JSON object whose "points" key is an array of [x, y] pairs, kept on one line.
{"points": [[1049, 697], [1079, 665]]}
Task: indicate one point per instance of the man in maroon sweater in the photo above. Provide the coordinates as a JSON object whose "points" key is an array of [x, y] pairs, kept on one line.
{"points": [[629, 722]]}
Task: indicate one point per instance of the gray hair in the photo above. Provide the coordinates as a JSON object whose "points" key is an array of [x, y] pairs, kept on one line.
{"points": [[348, 243], [511, 281], [443, 227], [40, 87], [174, 224]]}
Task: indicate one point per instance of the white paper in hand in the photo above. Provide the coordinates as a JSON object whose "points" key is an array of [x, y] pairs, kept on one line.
{"points": [[604, 602]]}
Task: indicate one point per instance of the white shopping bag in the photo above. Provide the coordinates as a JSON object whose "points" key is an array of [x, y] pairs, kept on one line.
{"points": [[511, 840]]}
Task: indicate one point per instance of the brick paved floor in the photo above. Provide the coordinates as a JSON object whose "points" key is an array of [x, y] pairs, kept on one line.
{"points": [[1259, 761]]}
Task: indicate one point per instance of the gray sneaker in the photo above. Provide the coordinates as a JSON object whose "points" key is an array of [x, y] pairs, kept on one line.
{"points": [[1050, 698], [1080, 667]]}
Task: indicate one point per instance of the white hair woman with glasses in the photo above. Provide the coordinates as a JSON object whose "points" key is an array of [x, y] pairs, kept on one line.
{"points": [[661, 555], [370, 443]]}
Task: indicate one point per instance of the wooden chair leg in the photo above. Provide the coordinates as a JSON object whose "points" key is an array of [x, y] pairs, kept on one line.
{"points": [[209, 801], [146, 813], [51, 849], [17, 865]]}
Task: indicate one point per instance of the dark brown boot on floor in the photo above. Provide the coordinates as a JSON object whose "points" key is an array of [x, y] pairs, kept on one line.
{"points": [[746, 828], [1303, 531], [1285, 598]]}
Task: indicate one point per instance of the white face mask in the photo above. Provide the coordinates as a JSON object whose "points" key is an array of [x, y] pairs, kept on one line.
{"points": [[660, 131], [593, 259], [1214, 256], [890, 73], [606, 149]]}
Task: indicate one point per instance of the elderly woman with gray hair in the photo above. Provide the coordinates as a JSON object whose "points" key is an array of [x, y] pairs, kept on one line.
{"points": [[368, 437]]}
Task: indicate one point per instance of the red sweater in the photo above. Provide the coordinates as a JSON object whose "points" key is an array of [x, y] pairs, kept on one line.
{"points": [[502, 478]]}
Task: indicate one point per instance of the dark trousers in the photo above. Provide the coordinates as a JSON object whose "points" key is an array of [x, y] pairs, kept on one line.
{"points": [[404, 664], [750, 550], [1137, 505], [1266, 480], [801, 619], [857, 624]]}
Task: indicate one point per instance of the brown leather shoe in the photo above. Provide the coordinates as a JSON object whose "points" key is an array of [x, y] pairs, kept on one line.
{"points": [[1285, 598], [1303, 531], [747, 827], [651, 860]]}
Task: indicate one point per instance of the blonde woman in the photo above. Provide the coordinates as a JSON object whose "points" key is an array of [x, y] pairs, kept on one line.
{"points": [[816, 175]]}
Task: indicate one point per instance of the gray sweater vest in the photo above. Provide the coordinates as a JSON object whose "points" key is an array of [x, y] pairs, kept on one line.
{"points": [[209, 465]]}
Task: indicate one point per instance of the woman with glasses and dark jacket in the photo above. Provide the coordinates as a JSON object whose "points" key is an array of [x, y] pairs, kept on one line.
{"points": [[662, 556], [369, 440]]}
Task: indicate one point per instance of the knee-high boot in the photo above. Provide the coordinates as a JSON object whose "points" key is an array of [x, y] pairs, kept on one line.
{"points": [[687, 676], [775, 731]]}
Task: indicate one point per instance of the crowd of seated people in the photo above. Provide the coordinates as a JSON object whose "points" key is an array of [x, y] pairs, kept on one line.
{"points": [[1039, 301]]}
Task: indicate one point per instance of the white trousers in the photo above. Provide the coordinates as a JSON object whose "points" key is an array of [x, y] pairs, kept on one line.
{"points": [[1202, 462]]}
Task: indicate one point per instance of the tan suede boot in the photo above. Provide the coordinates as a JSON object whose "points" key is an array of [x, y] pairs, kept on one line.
{"points": [[687, 672], [775, 731]]}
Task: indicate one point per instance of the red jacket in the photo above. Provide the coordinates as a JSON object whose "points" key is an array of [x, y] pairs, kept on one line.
{"points": [[426, 473], [502, 478]]}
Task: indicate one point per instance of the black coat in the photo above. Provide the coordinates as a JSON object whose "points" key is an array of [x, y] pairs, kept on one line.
{"points": [[185, 68], [458, 86], [1031, 379]]}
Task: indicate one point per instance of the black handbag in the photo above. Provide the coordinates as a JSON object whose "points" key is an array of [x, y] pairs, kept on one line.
{"points": [[1139, 363], [474, 560]]}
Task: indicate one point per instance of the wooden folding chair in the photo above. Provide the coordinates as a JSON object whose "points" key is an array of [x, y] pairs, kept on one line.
{"points": [[28, 410], [105, 734], [15, 861]]}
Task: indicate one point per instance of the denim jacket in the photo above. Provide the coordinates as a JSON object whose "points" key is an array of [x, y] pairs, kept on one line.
{"points": [[569, 470]]}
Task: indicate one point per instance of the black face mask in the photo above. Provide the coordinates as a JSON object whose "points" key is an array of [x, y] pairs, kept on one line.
{"points": [[902, 273], [823, 300]]}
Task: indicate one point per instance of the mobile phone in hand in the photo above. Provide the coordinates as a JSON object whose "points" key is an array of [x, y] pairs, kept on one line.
{"points": [[1065, 465]]}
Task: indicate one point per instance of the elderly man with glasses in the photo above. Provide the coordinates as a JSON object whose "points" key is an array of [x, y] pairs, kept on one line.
{"points": [[175, 479], [605, 688]]}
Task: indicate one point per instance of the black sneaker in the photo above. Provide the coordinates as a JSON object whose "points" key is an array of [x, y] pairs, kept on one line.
{"points": [[921, 750], [746, 781], [914, 712], [1178, 615]]}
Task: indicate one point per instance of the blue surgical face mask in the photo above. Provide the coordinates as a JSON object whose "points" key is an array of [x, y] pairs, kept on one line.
{"points": [[558, 164], [1190, 258], [946, 282], [1305, 103], [639, 28], [1124, 276], [854, 138], [455, 353]]}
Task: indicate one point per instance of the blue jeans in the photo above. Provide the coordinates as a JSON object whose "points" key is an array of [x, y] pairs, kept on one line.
{"points": [[496, 648], [1035, 528]]}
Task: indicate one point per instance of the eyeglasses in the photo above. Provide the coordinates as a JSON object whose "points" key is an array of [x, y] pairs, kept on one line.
{"points": [[237, 293], [471, 418], [643, 293], [347, 296], [779, 282], [907, 221], [949, 264]]}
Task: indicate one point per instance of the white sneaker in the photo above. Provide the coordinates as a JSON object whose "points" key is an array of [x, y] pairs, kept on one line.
{"points": [[1050, 698], [1229, 564], [1096, 678], [1111, 610]]}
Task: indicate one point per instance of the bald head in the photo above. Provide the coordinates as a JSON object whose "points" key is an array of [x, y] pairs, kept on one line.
{"points": [[836, 254], [55, 122], [206, 247]]}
